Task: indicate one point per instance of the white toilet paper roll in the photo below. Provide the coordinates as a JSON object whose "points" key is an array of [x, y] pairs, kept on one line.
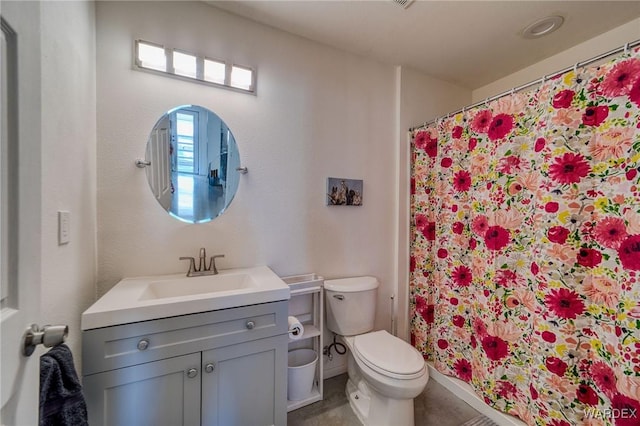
{"points": [[296, 330]]}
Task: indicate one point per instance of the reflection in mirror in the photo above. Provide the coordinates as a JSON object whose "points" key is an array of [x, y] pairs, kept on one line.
{"points": [[193, 157]]}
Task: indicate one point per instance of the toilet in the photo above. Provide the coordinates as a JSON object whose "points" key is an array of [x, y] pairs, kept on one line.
{"points": [[385, 372]]}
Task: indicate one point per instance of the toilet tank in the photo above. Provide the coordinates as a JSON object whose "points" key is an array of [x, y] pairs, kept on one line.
{"points": [[351, 305]]}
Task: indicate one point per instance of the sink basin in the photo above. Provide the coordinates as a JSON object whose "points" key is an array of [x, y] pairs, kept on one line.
{"points": [[148, 298], [197, 285]]}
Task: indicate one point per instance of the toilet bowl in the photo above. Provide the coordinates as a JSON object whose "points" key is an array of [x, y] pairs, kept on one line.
{"points": [[385, 372]]}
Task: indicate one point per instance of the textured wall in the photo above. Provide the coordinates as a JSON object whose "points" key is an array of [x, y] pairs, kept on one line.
{"points": [[319, 112]]}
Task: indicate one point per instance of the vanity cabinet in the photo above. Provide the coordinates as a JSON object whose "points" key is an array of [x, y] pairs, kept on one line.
{"points": [[226, 367]]}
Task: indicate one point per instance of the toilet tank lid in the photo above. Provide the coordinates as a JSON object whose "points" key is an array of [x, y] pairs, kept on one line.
{"points": [[352, 284]]}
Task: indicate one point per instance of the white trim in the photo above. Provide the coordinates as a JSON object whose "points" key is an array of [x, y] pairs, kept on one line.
{"points": [[464, 392]]}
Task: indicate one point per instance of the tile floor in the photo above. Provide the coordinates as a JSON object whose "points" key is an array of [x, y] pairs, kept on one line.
{"points": [[435, 406]]}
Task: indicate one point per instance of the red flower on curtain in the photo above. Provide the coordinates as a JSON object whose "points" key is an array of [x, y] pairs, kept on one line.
{"points": [[495, 347], [500, 126], [563, 99], [629, 253], [463, 369], [458, 320], [558, 234], [564, 303], [595, 115], [570, 168], [496, 237], [429, 231], [462, 181], [634, 93], [621, 78], [462, 276], [587, 395], [424, 141], [589, 257], [556, 365], [629, 406], [539, 146], [425, 310], [456, 132], [481, 121]]}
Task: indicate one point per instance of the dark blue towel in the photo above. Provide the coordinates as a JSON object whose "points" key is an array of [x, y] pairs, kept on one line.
{"points": [[61, 399]]}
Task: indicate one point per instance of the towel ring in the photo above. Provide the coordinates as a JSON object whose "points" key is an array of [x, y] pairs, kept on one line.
{"points": [[49, 336]]}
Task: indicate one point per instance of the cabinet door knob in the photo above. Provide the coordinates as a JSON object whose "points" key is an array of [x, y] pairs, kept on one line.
{"points": [[143, 344], [210, 367], [250, 325], [191, 373]]}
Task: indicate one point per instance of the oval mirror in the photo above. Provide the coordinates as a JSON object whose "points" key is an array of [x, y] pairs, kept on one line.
{"points": [[193, 159]]}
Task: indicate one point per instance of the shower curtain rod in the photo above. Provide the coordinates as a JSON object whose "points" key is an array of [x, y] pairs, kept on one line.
{"points": [[544, 78]]}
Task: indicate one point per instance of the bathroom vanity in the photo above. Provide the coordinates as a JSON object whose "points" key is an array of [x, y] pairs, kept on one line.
{"points": [[226, 366]]}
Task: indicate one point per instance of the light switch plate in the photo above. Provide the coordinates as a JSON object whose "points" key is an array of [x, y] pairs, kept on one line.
{"points": [[64, 227]]}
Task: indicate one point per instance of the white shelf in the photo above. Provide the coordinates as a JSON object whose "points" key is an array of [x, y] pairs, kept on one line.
{"points": [[314, 397], [306, 304], [310, 331]]}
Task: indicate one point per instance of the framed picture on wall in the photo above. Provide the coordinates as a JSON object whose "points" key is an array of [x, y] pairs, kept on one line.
{"points": [[344, 192]]}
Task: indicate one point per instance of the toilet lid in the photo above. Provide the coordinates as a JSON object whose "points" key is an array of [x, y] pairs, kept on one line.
{"points": [[389, 355]]}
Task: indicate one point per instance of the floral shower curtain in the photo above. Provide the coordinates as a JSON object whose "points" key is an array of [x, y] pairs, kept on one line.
{"points": [[525, 253]]}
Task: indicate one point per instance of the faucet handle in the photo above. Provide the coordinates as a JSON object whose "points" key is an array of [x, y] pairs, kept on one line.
{"points": [[192, 264], [212, 264]]}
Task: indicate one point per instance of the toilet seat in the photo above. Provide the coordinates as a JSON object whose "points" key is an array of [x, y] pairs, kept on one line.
{"points": [[389, 355]]}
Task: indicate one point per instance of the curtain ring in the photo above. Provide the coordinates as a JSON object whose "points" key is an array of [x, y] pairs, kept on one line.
{"points": [[626, 48]]}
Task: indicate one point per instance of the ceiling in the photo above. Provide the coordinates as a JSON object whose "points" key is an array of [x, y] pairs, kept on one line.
{"points": [[469, 43]]}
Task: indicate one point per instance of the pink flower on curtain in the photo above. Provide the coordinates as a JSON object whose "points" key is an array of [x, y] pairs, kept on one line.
{"points": [[558, 234], [462, 181], [556, 422], [570, 168], [462, 276], [588, 257], [500, 126], [540, 143], [463, 369], [563, 99], [496, 237], [481, 121], [495, 347], [629, 253], [473, 142], [564, 303], [446, 162], [509, 165], [587, 395], [613, 143], [602, 290], [595, 115], [610, 232], [456, 132], [621, 78]]}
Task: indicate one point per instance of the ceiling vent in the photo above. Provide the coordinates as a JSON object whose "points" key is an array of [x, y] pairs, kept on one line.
{"points": [[404, 3]]}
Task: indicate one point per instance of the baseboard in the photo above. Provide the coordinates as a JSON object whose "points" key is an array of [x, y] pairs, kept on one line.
{"points": [[463, 391], [335, 371]]}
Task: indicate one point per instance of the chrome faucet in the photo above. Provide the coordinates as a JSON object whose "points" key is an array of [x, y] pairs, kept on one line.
{"points": [[202, 268]]}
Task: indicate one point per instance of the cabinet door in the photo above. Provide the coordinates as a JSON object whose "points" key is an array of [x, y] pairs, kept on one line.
{"points": [[157, 393], [247, 385]]}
